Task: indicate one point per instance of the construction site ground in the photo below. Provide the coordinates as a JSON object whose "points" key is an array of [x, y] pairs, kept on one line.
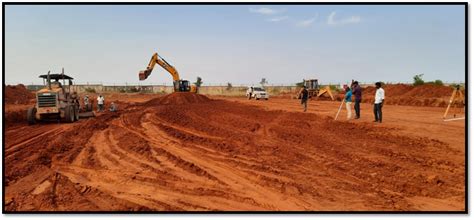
{"points": [[187, 152]]}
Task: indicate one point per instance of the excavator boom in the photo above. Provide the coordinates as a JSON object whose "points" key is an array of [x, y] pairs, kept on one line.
{"points": [[156, 59], [178, 84]]}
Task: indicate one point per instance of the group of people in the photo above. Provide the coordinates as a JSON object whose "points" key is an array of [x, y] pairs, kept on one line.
{"points": [[100, 104], [356, 91]]}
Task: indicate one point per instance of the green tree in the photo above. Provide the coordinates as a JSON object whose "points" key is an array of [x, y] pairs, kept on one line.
{"points": [[438, 82], [229, 86], [263, 82], [198, 82], [418, 80]]}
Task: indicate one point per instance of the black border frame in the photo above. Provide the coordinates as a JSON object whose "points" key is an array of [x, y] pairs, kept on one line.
{"points": [[466, 152]]}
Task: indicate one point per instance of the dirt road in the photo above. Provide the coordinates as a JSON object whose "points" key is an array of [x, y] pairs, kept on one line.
{"points": [[189, 152], [415, 121]]}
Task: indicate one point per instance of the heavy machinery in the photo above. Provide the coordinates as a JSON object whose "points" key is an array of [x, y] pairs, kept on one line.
{"points": [[314, 89], [55, 101], [179, 85]]}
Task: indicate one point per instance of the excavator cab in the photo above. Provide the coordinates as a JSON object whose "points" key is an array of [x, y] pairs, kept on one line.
{"points": [[182, 86]]}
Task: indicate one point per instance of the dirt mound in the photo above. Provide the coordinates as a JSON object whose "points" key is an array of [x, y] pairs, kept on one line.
{"points": [[402, 90], [18, 94], [401, 94], [393, 90], [179, 98], [430, 91]]}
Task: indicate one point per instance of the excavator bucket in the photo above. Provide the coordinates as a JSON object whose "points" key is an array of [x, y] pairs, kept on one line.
{"points": [[142, 75]]}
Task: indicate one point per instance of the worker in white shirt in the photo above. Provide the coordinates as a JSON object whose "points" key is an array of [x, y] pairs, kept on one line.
{"points": [[100, 102], [379, 97]]}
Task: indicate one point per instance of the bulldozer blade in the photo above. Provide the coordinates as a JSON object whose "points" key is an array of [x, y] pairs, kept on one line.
{"points": [[86, 114]]}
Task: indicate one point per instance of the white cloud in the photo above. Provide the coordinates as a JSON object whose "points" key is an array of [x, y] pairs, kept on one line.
{"points": [[350, 20], [278, 19], [264, 11], [308, 22]]}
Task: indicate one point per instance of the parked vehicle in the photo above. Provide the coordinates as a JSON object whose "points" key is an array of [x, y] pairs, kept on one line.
{"points": [[256, 93]]}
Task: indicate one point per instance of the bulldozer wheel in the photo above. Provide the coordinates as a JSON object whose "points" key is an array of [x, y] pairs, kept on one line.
{"points": [[31, 115], [89, 107], [69, 114], [76, 113]]}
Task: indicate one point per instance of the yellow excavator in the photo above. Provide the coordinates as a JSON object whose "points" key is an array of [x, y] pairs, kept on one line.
{"points": [[179, 85]]}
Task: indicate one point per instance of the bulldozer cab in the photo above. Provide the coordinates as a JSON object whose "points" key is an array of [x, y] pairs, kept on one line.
{"points": [[56, 84], [52, 81], [311, 84]]}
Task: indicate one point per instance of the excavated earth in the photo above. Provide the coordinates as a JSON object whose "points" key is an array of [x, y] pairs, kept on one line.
{"points": [[17, 100], [187, 152], [17, 94], [409, 95]]}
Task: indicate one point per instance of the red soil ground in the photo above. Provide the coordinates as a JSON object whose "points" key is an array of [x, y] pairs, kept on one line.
{"points": [[190, 152]]}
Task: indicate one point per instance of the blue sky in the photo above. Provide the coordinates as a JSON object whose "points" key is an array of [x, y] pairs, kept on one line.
{"points": [[238, 44]]}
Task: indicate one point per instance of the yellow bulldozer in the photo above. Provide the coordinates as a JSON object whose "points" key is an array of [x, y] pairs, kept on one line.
{"points": [[55, 101], [314, 90], [179, 85]]}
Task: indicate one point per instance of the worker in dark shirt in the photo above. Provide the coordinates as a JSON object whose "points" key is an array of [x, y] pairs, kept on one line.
{"points": [[357, 91], [304, 98]]}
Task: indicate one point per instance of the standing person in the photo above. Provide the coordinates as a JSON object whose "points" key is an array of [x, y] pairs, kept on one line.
{"points": [[100, 102], [112, 108], [357, 92], [304, 98], [378, 103], [348, 101], [86, 103], [249, 92]]}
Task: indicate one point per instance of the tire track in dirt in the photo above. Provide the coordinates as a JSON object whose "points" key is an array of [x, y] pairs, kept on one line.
{"points": [[228, 175], [29, 137], [187, 152]]}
